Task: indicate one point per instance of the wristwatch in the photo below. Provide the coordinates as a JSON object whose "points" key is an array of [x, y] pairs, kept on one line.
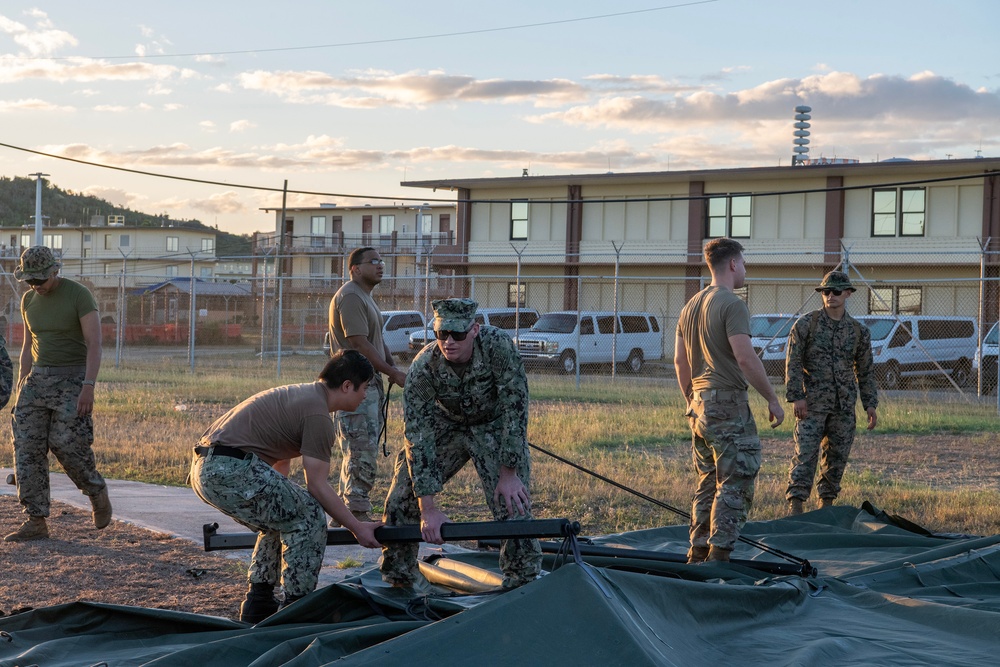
{"points": [[92, 383]]}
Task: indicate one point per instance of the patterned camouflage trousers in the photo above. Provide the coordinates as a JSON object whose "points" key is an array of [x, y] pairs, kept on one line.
{"points": [[830, 434], [357, 435], [45, 420], [726, 450], [520, 559], [282, 513]]}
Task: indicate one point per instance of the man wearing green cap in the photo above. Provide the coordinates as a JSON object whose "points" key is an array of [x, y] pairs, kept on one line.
{"points": [[829, 357], [60, 358], [466, 397]]}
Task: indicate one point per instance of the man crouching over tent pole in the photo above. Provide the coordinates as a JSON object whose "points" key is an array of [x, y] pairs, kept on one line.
{"points": [[241, 469]]}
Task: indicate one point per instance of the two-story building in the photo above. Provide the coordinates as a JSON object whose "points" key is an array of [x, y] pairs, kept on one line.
{"points": [[314, 242], [923, 236]]}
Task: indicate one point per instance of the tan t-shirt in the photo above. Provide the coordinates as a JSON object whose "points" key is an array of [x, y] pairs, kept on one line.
{"points": [[706, 323], [353, 313], [280, 423]]}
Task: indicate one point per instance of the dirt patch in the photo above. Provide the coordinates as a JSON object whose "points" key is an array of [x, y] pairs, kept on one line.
{"points": [[121, 564]]}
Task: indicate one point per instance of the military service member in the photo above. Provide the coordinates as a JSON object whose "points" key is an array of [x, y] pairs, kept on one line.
{"points": [[60, 359], [356, 324], [714, 360], [829, 356], [241, 469], [466, 397]]}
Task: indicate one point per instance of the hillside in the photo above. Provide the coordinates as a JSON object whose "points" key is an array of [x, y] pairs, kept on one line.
{"points": [[17, 208]]}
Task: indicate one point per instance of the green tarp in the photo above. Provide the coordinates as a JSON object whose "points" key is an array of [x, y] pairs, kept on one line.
{"points": [[887, 593]]}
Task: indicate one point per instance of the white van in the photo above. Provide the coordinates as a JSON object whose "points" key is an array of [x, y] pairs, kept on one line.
{"points": [[397, 325], [510, 320], [769, 336], [950, 342], [986, 363], [562, 339]]}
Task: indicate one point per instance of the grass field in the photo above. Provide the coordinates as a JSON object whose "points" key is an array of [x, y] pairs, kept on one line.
{"points": [[932, 459]]}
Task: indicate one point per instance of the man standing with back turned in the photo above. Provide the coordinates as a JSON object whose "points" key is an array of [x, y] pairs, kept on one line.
{"points": [[714, 360], [356, 324], [60, 358], [829, 356]]}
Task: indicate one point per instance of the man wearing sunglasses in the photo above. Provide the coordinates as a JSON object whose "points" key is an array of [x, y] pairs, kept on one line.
{"points": [[356, 324], [466, 397], [59, 361], [829, 357]]}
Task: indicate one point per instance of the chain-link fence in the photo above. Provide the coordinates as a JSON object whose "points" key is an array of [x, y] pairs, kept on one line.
{"points": [[620, 305]]}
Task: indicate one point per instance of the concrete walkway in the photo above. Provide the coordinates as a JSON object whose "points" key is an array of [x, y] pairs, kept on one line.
{"points": [[177, 511]]}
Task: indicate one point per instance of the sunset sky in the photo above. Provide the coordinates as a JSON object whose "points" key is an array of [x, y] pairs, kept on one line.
{"points": [[353, 98]]}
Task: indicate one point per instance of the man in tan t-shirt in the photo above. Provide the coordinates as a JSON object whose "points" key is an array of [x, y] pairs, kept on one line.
{"points": [[241, 465], [714, 360], [356, 324]]}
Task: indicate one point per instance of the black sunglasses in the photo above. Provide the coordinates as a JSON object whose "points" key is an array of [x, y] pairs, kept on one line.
{"points": [[835, 292], [35, 282], [457, 336]]}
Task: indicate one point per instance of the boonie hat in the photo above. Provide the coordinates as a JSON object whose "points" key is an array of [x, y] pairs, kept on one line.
{"points": [[836, 280], [454, 314], [37, 263]]}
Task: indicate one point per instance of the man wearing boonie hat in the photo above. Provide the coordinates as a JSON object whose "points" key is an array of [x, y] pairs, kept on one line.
{"points": [[465, 397], [829, 357], [60, 359]]}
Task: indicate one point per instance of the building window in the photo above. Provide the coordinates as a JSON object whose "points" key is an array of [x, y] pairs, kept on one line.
{"points": [[425, 224], [898, 212], [54, 241], [207, 245], [729, 216], [519, 221], [171, 271], [124, 241], [895, 300], [107, 242], [109, 269], [386, 224], [86, 238], [516, 295], [173, 243], [206, 272], [317, 231]]}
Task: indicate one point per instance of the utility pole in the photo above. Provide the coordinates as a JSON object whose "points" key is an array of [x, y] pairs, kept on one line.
{"points": [[38, 207]]}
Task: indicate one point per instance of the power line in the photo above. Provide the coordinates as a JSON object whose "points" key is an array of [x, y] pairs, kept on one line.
{"points": [[385, 41]]}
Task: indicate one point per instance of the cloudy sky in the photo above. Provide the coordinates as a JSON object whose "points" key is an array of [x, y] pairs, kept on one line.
{"points": [[350, 99]]}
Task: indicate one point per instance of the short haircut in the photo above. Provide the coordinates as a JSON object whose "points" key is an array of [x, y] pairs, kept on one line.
{"points": [[719, 251], [346, 365], [357, 256]]}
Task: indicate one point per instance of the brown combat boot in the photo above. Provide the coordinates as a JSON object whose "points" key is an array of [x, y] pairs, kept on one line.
{"points": [[826, 502], [794, 506], [715, 554], [102, 508], [34, 528], [697, 555]]}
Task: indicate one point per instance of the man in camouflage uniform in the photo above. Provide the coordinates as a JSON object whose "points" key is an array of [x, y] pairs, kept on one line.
{"points": [[241, 468], [466, 397], [59, 362], [829, 356], [356, 324], [714, 360]]}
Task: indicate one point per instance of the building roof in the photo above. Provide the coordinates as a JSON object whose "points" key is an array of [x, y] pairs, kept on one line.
{"points": [[202, 288], [894, 166]]}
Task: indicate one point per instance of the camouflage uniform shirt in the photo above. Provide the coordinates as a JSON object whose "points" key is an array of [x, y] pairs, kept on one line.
{"points": [[492, 392], [828, 370]]}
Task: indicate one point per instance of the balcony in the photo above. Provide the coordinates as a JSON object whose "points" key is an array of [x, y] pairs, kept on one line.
{"points": [[396, 243]]}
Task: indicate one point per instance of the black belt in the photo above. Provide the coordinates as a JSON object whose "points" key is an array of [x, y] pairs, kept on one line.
{"points": [[222, 450], [57, 370]]}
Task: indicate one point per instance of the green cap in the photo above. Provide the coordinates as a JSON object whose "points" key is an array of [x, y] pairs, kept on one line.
{"points": [[37, 263], [454, 314], [836, 280]]}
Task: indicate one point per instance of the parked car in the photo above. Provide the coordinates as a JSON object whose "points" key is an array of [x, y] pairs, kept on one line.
{"points": [[985, 362], [948, 342], [568, 338], [396, 329], [769, 336], [510, 320]]}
